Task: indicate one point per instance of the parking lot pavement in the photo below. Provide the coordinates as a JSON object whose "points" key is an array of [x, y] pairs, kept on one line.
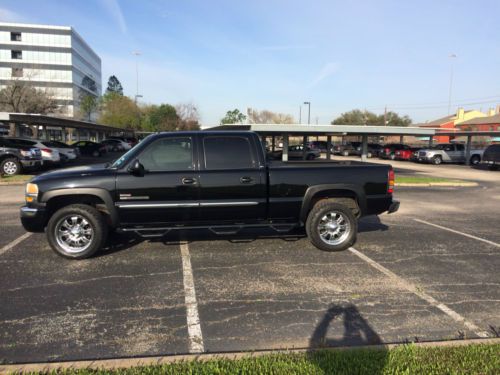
{"points": [[404, 280], [460, 171], [11, 198]]}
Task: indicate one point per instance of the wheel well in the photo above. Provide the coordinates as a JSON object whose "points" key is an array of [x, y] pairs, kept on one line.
{"points": [[58, 202], [8, 156], [347, 197]]}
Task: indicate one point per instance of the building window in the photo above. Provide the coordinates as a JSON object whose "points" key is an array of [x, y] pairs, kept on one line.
{"points": [[17, 72], [18, 55], [15, 37]]}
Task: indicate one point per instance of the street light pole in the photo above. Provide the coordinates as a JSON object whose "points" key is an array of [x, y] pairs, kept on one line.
{"points": [[137, 54], [300, 114], [452, 56], [308, 113]]}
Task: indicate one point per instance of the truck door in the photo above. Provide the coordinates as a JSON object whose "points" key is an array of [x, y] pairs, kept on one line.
{"points": [[232, 181], [168, 192], [449, 153], [459, 155]]}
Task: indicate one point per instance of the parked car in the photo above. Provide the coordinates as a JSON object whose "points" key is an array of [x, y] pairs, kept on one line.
{"points": [[389, 150], [407, 154], [296, 152], [90, 148], [491, 156], [50, 155], [346, 149], [66, 152], [448, 153], [14, 158], [319, 145], [132, 141], [217, 180], [114, 145]]}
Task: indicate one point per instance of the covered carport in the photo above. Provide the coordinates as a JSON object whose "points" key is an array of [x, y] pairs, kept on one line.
{"points": [[44, 127], [306, 131]]}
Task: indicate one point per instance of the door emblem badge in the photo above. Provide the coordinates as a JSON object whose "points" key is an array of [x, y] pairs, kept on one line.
{"points": [[133, 197]]}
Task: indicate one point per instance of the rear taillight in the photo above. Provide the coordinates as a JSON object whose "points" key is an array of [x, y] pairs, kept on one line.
{"points": [[47, 150], [390, 184]]}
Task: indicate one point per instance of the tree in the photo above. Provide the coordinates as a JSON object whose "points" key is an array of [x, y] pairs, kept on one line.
{"points": [[358, 117], [20, 96], [120, 111], [161, 117], [88, 104], [233, 117], [188, 116], [114, 85], [269, 117]]}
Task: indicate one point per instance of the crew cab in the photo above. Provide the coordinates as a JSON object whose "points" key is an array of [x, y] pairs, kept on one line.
{"points": [[448, 153], [218, 180]]}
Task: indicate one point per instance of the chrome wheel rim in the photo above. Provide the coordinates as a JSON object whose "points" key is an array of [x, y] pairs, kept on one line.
{"points": [[74, 234], [10, 168], [334, 228]]}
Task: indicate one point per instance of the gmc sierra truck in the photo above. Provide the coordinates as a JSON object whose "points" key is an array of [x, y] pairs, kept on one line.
{"points": [[216, 180]]}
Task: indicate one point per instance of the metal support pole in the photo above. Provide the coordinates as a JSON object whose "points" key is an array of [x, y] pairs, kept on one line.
{"points": [[77, 135], [304, 147], [263, 141], [401, 138], [284, 155], [273, 143], [364, 147], [430, 141], [63, 135], [467, 149], [328, 147]]}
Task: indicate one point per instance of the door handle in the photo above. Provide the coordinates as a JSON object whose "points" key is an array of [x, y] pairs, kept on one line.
{"points": [[188, 181], [246, 180]]}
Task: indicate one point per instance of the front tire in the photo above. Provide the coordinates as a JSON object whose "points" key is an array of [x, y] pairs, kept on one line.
{"points": [[331, 226], [76, 231], [436, 160], [10, 167]]}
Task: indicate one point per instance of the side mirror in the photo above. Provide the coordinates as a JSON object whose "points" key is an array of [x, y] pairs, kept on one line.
{"points": [[136, 168]]}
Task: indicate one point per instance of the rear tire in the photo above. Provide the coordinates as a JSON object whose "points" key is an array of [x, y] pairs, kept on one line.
{"points": [[10, 167], [331, 226], [475, 160], [76, 231]]}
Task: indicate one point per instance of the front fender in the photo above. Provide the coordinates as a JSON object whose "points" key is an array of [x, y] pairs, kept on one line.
{"points": [[103, 194]]}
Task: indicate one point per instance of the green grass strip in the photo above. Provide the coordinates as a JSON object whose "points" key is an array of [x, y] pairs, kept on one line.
{"points": [[407, 359], [16, 178]]}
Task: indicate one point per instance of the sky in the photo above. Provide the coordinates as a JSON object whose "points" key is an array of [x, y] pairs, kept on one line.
{"points": [[276, 54]]}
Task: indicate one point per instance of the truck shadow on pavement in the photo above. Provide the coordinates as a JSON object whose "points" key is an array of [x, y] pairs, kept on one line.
{"points": [[122, 241], [344, 326]]}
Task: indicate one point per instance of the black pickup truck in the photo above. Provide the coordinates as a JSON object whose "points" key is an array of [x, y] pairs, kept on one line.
{"points": [[217, 180]]}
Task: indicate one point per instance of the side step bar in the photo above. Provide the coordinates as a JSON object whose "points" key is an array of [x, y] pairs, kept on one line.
{"points": [[155, 232]]}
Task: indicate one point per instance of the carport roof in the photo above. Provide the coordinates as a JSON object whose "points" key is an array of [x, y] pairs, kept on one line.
{"points": [[328, 129], [44, 120]]}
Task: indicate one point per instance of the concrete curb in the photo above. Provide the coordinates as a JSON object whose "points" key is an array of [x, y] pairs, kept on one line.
{"points": [[18, 183], [120, 363], [433, 184]]}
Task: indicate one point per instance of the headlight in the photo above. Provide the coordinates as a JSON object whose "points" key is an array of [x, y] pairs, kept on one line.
{"points": [[31, 192]]}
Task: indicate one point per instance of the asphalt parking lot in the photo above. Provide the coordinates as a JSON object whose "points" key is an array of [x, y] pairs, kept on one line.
{"points": [[428, 272]]}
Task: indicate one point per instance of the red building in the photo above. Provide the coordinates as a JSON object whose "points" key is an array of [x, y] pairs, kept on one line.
{"points": [[451, 121], [489, 123]]}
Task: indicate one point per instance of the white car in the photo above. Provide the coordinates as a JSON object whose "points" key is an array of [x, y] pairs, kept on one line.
{"points": [[116, 145], [66, 152]]}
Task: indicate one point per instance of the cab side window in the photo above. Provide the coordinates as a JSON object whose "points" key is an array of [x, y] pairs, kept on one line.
{"points": [[168, 154]]}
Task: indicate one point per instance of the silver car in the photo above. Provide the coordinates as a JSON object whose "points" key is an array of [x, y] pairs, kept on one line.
{"points": [[448, 153]]}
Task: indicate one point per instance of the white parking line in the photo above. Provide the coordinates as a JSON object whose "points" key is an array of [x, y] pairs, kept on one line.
{"points": [[414, 289], [193, 318], [458, 232], [15, 242]]}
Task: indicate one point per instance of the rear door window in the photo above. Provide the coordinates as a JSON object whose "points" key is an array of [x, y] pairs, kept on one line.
{"points": [[228, 152]]}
